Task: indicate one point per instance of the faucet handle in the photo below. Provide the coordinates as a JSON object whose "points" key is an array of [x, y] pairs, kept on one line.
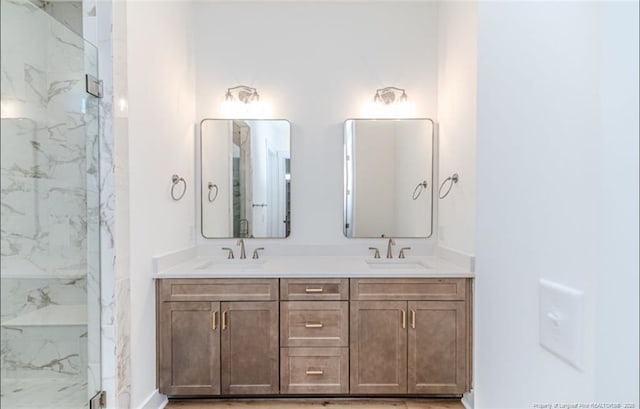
{"points": [[401, 255], [377, 253], [255, 253], [230, 255]]}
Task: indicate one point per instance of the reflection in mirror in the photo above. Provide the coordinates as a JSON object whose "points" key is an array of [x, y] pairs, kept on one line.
{"points": [[245, 178], [388, 177]]}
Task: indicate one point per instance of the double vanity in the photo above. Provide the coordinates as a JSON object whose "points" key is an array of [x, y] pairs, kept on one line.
{"points": [[313, 326], [287, 322]]}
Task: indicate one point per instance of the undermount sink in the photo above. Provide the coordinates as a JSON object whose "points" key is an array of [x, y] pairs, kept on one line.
{"points": [[231, 265], [396, 264]]}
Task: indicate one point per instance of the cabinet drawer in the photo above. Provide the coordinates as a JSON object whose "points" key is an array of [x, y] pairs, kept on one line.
{"points": [[314, 323], [210, 289], [314, 370], [409, 289], [314, 289]]}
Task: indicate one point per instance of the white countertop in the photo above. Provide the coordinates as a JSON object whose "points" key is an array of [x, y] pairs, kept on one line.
{"points": [[311, 266]]}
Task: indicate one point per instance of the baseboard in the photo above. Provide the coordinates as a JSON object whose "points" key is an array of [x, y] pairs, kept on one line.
{"points": [[467, 400], [154, 401]]}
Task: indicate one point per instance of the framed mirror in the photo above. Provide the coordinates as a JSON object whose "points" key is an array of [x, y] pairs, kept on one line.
{"points": [[245, 170], [388, 177]]}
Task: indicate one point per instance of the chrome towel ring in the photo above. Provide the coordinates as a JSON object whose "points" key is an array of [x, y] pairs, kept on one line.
{"points": [[175, 180], [212, 187], [452, 180], [418, 190]]}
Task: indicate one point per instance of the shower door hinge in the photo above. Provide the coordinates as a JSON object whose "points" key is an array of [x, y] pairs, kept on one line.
{"points": [[94, 86], [99, 401]]}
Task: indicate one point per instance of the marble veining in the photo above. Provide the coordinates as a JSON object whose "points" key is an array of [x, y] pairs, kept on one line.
{"points": [[52, 315], [30, 352], [49, 393], [50, 192], [20, 296], [98, 28]]}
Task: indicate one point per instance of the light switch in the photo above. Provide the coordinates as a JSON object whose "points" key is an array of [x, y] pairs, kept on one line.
{"points": [[561, 321]]}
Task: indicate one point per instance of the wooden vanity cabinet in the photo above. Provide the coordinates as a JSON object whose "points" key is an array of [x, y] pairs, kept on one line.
{"points": [[360, 336], [413, 339], [212, 341]]}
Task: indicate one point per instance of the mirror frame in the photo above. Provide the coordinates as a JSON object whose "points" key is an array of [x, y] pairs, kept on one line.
{"points": [[202, 192], [344, 175]]}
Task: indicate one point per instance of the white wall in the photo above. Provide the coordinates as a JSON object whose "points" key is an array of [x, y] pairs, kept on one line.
{"points": [[550, 203], [617, 282], [161, 135], [457, 59], [316, 64]]}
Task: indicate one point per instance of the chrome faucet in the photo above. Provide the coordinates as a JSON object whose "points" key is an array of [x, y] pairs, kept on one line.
{"points": [[389, 248], [243, 254]]}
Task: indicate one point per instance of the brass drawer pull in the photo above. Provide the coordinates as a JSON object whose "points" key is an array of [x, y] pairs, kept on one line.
{"points": [[313, 325], [314, 372], [224, 320], [404, 319], [314, 290], [413, 319], [214, 320]]}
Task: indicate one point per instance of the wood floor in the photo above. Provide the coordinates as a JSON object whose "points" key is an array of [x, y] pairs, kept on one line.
{"points": [[318, 403]]}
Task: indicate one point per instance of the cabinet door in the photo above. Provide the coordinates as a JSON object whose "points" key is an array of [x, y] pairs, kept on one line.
{"points": [[249, 348], [378, 347], [189, 348], [437, 347]]}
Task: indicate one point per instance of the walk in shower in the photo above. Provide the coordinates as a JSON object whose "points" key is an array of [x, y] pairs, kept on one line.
{"points": [[50, 253]]}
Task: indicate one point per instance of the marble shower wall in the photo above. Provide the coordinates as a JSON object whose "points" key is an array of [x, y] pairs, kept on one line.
{"points": [[104, 24], [49, 190]]}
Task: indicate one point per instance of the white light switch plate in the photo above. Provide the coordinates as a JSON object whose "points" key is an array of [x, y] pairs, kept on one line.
{"points": [[561, 321]]}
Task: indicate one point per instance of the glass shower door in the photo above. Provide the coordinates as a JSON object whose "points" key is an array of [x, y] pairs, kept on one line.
{"points": [[49, 191]]}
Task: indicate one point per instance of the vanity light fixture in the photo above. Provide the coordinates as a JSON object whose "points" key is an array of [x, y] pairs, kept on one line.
{"points": [[242, 93], [243, 101], [388, 102], [390, 95]]}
